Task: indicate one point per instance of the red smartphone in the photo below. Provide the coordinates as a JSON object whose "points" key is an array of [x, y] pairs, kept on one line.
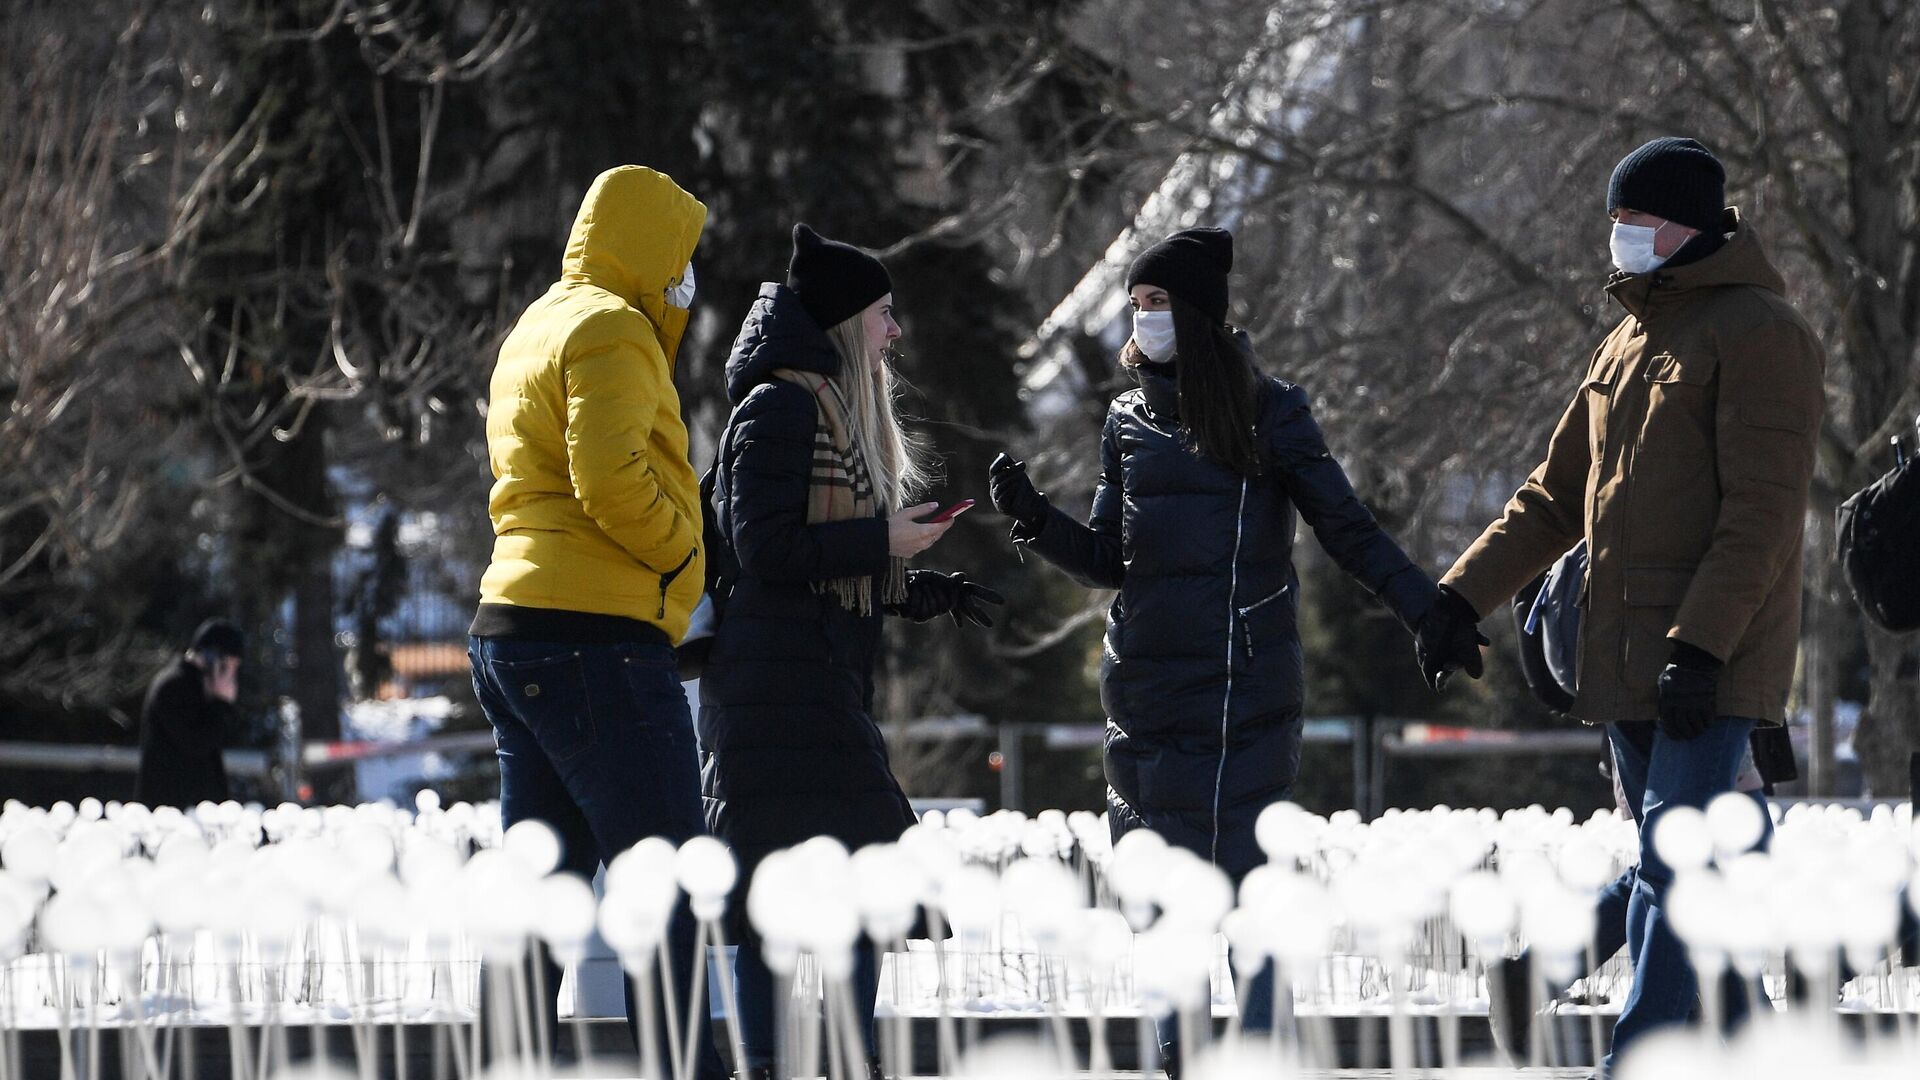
{"points": [[949, 513]]}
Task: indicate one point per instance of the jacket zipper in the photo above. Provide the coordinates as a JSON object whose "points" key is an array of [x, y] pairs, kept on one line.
{"points": [[1226, 699], [666, 579], [1246, 627]]}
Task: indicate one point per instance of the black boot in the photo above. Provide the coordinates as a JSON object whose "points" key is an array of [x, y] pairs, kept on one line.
{"points": [[1510, 1007]]}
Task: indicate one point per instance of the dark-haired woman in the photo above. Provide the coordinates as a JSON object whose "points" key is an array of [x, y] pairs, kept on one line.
{"points": [[1202, 470]]}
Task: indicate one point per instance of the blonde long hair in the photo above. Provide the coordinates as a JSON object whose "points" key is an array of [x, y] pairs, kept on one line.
{"points": [[899, 464]]}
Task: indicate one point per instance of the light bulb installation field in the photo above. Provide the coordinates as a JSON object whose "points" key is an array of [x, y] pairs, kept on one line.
{"points": [[229, 941]]}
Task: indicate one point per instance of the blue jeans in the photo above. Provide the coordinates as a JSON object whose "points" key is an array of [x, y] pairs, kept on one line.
{"points": [[1658, 773], [1610, 931], [597, 742], [755, 988]]}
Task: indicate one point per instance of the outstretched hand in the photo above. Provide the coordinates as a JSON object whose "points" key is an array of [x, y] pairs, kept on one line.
{"points": [[1013, 493], [1448, 639], [931, 594]]}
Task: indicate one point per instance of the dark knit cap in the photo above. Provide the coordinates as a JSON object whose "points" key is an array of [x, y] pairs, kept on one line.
{"points": [[1677, 179], [834, 281], [219, 636], [1192, 264]]}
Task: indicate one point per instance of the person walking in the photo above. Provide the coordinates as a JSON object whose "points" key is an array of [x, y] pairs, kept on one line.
{"points": [[187, 718], [1203, 469], [815, 475], [1684, 460], [596, 557]]}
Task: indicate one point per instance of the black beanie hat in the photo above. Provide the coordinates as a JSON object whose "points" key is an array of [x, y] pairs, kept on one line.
{"points": [[219, 636], [1677, 179], [834, 281], [1192, 264]]}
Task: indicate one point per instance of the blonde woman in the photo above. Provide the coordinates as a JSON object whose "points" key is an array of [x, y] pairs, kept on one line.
{"points": [[816, 476]]}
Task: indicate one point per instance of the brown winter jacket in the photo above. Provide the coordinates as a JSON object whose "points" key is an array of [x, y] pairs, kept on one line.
{"points": [[1685, 460]]}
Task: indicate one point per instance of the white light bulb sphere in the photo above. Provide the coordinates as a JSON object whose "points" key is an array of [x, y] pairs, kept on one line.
{"points": [[707, 872], [1044, 895], [630, 933], [1170, 966], [1483, 909], [535, 845], [1585, 863], [565, 915], [1195, 893], [427, 860], [1301, 916], [830, 936], [1135, 872], [29, 852], [1696, 902], [890, 885], [75, 923], [86, 852], [646, 867], [1557, 921], [772, 910], [1683, 838], [1737, 823], [971, 898]]}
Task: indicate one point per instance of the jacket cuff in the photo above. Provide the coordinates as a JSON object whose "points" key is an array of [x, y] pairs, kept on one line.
{"points": [[1693, 657], [1411, 594], [1023, 533]]}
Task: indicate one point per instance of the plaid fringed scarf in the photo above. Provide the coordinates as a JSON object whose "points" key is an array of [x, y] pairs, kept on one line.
{"points": [[840, 489]]}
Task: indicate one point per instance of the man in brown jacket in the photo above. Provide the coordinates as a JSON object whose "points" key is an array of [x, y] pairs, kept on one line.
{"points": [[1684, 460]]}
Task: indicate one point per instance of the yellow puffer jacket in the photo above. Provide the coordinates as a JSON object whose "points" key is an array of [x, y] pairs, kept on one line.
{"points": [[594, 505]]}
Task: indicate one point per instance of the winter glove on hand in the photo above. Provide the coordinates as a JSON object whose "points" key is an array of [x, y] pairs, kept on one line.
{"points": [[1447, 640], [1013, 494], [1688, 687], [931, 594], [973, 601]]}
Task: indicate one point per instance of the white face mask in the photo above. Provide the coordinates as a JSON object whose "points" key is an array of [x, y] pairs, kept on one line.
{"points": [[1632, 247], [1153, 332], [680, 294]]}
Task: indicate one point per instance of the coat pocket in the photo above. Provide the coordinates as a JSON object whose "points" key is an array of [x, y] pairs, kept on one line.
{"points": [[1669, 368], [551, 697], [1653, 595], [1258, 625]]}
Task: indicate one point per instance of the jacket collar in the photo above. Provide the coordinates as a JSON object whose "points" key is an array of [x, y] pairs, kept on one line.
{"points": [[777, 333], [1740, 261], [1160, 385]]}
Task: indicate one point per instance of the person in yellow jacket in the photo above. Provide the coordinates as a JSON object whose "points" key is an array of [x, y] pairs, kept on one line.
{"points": [[596, 556]]}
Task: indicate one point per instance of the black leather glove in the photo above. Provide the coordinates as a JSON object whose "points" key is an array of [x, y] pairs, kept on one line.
{"points": [[1688, 688], [931, 594], [1448, 640], [1013, 494]]}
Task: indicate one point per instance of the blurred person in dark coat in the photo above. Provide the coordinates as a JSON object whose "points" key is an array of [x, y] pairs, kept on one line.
{"points": [[186, 718]]}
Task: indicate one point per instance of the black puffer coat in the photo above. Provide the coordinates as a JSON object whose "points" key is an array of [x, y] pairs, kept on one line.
{"points": [[1201, 674], [791, 751]]}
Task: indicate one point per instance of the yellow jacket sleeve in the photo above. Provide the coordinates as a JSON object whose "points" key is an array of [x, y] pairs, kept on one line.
{"points": [[616, 391]]}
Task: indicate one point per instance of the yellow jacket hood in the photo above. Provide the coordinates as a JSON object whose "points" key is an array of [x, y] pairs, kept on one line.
{"points": [[635, 234]]}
